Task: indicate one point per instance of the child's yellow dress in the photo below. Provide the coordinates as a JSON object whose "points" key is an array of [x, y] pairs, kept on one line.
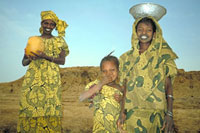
{"points": [[107, 109]]}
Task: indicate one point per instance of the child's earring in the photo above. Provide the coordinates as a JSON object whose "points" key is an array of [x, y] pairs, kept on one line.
{"points": [[154, 35]]}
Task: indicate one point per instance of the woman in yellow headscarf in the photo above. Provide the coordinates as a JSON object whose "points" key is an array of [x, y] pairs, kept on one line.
{"points": [[150, 70], [40, 102]]}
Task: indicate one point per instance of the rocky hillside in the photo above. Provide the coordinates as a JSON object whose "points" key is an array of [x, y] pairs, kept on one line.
{"points": [[78, 118]]}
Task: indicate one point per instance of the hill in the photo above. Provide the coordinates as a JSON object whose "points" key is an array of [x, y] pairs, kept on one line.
{"points": [[77, 117]]}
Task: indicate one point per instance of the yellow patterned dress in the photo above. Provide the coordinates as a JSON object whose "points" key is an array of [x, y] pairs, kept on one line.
{"points": [[40, 102], [106, 110], [146, 73]]}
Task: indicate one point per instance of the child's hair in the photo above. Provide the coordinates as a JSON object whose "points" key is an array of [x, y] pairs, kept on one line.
{"points": [[109, 57], [147, 20]]}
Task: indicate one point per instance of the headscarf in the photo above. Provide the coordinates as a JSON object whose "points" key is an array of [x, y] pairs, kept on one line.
{"points": [[158, 44], [158, 60], [158, 38], [60, 24]]}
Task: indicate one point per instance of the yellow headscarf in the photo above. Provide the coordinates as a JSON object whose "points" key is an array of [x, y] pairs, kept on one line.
{"points": [[60, 24], [158, 45], [158, 38]]}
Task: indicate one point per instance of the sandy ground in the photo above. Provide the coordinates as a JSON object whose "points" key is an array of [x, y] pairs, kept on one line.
{"points": [[77, 117]]}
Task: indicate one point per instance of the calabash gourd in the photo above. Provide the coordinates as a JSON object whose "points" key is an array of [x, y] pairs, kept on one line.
{"points": [[34, 44]]}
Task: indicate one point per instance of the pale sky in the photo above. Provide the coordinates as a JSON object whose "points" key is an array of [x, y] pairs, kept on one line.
{"points": [[96, 27]]}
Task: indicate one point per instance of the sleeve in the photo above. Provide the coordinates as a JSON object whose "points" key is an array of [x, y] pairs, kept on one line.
{"points": [[88, 86], [62, 45], [65, 48], [91, 84], [124, 67], [121, 71], [170, 69]]}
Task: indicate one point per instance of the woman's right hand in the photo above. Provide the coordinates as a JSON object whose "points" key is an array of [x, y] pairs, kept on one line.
{"points": [[26, 60]]}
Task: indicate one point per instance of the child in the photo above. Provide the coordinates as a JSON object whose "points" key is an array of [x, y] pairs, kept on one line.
{"points": [[106, 96]]}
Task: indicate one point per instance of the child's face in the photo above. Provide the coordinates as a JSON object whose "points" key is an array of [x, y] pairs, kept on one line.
{"points": [[109, 69], [145, 32]]}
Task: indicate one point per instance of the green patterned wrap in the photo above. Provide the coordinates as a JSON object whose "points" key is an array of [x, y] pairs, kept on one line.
{"points": [[146, 74]]}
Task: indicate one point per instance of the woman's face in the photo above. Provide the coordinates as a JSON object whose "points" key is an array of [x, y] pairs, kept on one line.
{"points": [[48, 26], [145, 32], [109, 69]]}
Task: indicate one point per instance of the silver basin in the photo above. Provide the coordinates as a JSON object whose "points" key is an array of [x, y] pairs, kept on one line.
{"points": [[147, 9]]}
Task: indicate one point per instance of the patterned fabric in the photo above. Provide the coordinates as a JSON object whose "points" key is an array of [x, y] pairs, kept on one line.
{"points": [[146, 74], [39, 125], [107, 109], [60, 24], [41, 88]]}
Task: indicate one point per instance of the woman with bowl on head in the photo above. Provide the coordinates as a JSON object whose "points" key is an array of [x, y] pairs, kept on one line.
{"points": [[149, 69]]}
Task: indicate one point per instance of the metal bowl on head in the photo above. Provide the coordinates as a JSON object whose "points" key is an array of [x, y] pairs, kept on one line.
{"points": [[147, 9]]}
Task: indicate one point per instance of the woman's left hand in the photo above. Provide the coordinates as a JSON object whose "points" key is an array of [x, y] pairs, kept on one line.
{"points": [[39, 55], [168, 125]]}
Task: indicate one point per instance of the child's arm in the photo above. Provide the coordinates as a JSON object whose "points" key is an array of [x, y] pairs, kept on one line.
{"points": [[87, 94]]}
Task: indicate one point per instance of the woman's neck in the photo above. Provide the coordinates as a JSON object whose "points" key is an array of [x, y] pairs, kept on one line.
{"points": [[144, 47], [46, 36]]}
